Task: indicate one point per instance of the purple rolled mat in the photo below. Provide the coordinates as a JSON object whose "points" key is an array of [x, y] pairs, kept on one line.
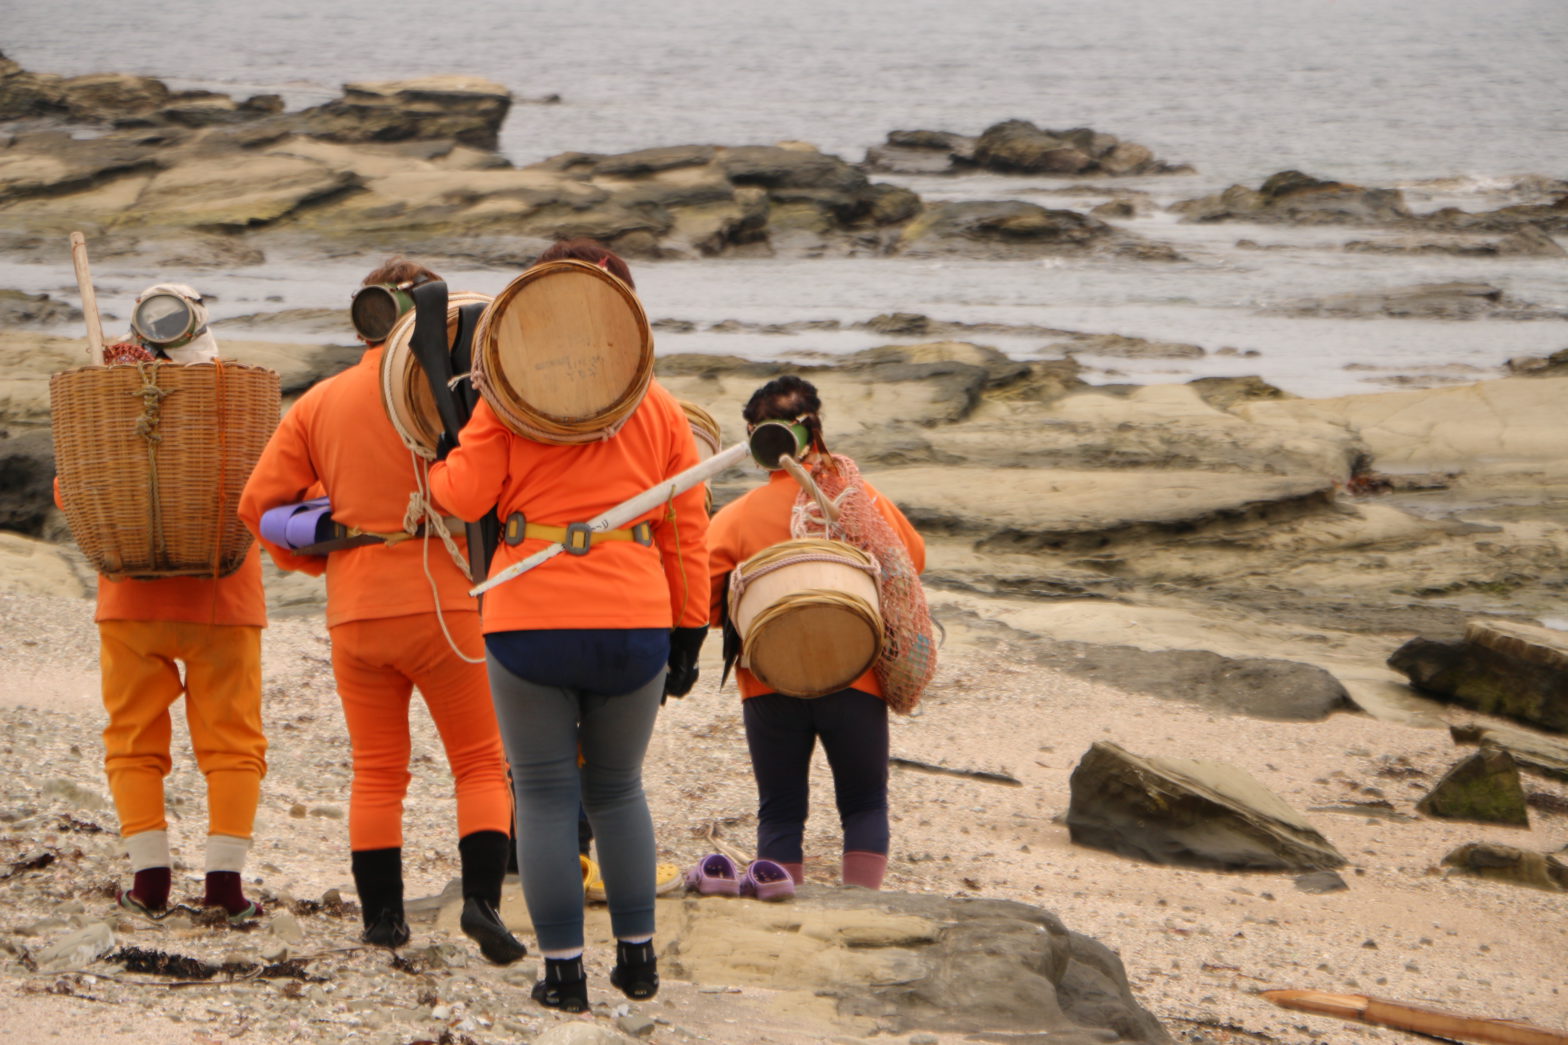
{"points": [[296, 526]]}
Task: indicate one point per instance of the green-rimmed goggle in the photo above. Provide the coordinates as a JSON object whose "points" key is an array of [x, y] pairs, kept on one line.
{"points": [[375, 309], [771, 440]]}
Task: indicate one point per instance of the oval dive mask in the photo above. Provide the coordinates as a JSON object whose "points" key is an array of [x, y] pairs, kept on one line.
{"points": [[772, 440], [166, 320], [377, 308]]}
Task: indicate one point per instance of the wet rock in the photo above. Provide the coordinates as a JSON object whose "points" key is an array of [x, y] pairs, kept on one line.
{"points": [[1516, 670], [286, 927], [1554, 365], [76, 950], [1015, 146], [919, 963], [1526, 241], [462, 108], [26, 481], [1484, 787], [1188, 813], [1505, 863], [1000, 228], [19, 309], [1550, 216], [1424, 301], [1297, 198]]}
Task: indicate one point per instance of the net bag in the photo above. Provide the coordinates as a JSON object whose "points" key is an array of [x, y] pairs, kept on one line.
{"points": [[908, 659], [151, 460]]}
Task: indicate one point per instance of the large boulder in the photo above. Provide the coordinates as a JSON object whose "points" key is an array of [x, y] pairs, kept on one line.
{"points": [[1296, 198], [26, 481], [1189, 813], [1507, 668], [1536, 753], [464, 108]]}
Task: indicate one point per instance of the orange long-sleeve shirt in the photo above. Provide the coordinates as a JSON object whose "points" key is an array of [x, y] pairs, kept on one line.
{"points": [[235, 599], [759, 519], [338, 435], [617, 584]]}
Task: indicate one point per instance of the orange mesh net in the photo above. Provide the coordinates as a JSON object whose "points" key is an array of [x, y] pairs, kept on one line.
{"points": [[908, 660]]}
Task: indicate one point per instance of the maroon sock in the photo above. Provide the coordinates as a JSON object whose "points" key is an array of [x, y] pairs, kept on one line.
{"points": [[224, 890], [864, 869], [797, 872], [151, 888]]}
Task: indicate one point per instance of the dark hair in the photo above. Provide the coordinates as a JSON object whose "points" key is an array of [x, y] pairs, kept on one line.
{"points": [[785, 399], [399, 269], [591, 251]]}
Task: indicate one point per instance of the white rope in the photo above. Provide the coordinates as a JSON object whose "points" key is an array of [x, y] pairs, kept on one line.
{"points": [[419, 504]]}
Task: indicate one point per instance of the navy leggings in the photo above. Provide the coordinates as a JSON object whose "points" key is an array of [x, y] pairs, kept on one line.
{"points": [[782, 733]]}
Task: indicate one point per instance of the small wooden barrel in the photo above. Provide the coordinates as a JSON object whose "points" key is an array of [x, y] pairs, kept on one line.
{"points": [[705, 433], [151, 459], [564, 353], [808, 615], [405, 390]]}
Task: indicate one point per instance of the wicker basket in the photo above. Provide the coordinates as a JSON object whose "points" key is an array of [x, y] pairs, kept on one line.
{"points": [[151, 460]]}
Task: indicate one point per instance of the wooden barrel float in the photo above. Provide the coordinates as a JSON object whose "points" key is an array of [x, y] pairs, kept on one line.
{"points": [[151, 459], [564, 353], [405, 391], [808, 615], [705, 433]]}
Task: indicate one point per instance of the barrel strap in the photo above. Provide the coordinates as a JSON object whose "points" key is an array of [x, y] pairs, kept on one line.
{"points": [[341, 532], [576, 538]]}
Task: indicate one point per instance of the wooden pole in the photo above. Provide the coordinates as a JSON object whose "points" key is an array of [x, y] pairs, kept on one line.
{"points": [[1384, 1013], [628, 510], [84, 283]]}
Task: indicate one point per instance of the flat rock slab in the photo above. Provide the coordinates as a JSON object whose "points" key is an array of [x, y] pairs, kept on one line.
{"points": [[901, 962], [1189, 813], [1038, 506], [1537, 753], [1505, 863]]}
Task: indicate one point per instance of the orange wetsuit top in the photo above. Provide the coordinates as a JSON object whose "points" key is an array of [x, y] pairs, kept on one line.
{"points": [[759, 519], [235, 599], [338, 435], [617, 584]]}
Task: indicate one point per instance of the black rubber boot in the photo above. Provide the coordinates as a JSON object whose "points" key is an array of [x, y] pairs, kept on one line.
{"points": [[636, 970], [378, 875], [565, 985], [484, 866]]}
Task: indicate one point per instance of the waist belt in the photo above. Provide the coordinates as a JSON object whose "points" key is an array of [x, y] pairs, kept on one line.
{"points": [[576, 538], [343, 537]]}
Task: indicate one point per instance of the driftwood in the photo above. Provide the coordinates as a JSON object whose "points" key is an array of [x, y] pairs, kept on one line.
{"points": [[1400, 1016], [973, 774]]}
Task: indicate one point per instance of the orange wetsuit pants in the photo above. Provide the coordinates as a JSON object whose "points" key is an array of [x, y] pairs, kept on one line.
{"points": [[222, 690], [378, 663]]}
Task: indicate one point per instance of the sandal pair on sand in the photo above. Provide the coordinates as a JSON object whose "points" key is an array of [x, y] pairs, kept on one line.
{"points": [[666, 877], [718, 875]]}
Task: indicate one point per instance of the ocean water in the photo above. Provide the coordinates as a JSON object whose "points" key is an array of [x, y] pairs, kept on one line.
{"points": [[1451, 100]]}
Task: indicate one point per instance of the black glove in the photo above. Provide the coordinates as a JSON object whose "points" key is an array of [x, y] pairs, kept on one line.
{"points": [[685, 644], [444, 445]]}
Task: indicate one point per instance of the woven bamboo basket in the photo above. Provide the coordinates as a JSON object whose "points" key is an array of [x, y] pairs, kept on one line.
{"points": [[564, 353], [808, 615], [151, 460], [405, 390]]}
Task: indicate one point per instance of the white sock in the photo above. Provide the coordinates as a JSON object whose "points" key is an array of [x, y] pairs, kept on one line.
{"points": [[227, 853], [147, 849], [565, 955]]}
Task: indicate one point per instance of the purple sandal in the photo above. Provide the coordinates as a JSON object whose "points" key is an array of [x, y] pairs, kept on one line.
{"points": [[714, 875], [767, 880]]}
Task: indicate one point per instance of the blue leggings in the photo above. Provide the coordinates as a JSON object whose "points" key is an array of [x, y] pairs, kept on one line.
{"points": [[542, 727], [782, 733]]}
